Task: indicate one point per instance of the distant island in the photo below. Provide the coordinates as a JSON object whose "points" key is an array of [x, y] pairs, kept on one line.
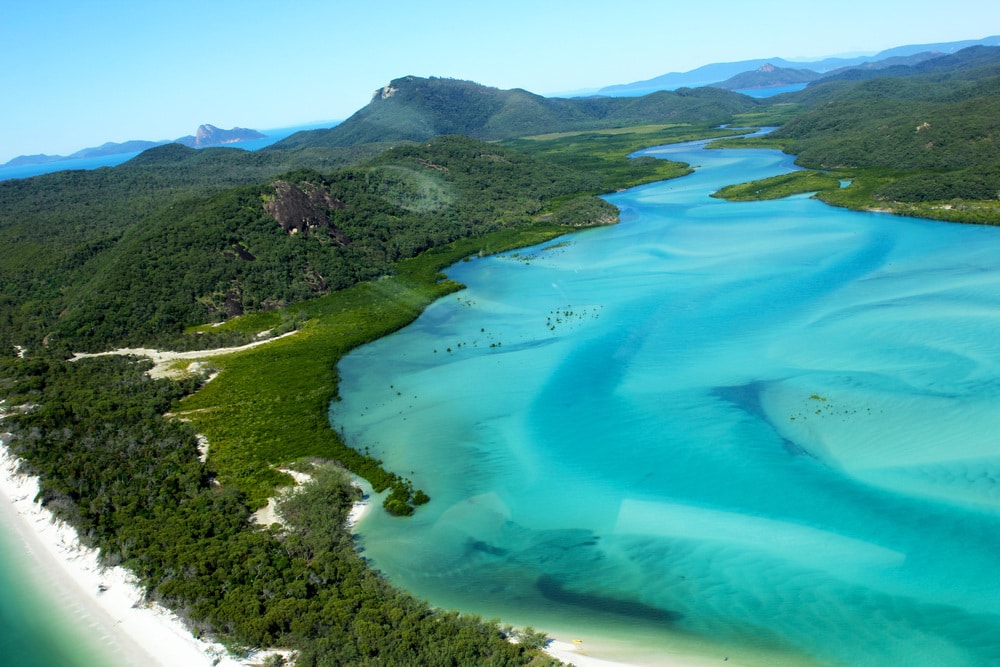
{"points": [[206, 135], [768, 76]]}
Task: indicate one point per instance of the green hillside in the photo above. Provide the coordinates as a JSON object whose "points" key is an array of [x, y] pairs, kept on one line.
{"points": [[922, 142], [416, 109], [142, 273], [56, 230], [768, 75], [178, 237]]}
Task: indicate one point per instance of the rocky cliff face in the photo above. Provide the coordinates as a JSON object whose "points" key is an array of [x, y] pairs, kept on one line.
{"points": [[302, 209]]}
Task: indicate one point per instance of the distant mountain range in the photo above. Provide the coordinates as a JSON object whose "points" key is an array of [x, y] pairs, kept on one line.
{"points": [[720, 74], [425, 107], [206, 135]]}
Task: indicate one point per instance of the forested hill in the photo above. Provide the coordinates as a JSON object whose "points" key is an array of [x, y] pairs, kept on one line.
{"points": [[967, 59], [416, 109], [137, 254], [921, 140], [144, 278], [937, 128], [56, 230], [768, 75]]}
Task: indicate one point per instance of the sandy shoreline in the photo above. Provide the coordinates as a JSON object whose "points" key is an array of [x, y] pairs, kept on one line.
{"points": [[109, 600], [141, 635], [147, 635], [578, 653], [158, 629]]}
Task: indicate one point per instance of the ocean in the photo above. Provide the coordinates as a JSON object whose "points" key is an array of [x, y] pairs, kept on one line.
{"points": [[762, 432], [29, 170], [39, 624]]}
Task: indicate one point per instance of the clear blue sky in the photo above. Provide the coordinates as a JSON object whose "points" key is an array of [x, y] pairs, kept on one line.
{"points": [[77, 73]]}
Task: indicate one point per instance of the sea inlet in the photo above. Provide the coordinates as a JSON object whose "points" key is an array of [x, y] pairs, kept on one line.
{"points": [[767, 432]]}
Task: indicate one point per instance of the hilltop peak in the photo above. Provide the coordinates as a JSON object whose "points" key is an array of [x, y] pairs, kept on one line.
{"points": [[766, 76], [413, 108]]}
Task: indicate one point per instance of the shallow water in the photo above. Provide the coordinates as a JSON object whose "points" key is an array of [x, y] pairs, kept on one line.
{"points": [[41, 626], [762, 430]]}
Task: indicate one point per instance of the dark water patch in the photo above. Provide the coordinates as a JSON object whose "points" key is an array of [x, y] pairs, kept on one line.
{"points": [[552, 589], [483, 547], [746, 397]]}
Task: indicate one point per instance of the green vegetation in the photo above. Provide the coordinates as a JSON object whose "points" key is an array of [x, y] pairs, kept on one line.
{"points": [[768, 75], [341, 237], [169, 250], [922, 142], [57, 231], [269, 406], [417, 109], [605, 153], [146, 280], [132, 483], [777, 187], [765, 141]]}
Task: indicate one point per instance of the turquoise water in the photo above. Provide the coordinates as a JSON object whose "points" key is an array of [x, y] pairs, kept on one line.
{"points": [[39, 624], [762, 430]]}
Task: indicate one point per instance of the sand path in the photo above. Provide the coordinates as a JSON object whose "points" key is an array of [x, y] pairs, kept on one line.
{"points": [[164, 359]]}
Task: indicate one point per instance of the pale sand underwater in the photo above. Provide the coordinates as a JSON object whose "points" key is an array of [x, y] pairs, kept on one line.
{"points": [[766, 427]]}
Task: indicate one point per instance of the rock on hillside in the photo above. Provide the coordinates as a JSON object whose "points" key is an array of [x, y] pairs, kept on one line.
{"points": [[301, 209]]}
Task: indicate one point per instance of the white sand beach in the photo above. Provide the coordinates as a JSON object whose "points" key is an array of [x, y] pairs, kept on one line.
{"points": [[112, 604], [141, 634], [591, 652], [147, 635]]}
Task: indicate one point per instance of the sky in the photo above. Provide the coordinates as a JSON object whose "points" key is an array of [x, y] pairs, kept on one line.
{"points": [[76, 74]]}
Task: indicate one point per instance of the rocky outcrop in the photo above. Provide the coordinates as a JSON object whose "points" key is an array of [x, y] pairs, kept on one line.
{"points": [[302, 209]]}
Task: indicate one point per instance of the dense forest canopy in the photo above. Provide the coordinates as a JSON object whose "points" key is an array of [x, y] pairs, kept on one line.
{"points": [[416, 109], [132, 484], [918, 140], [136, 272]]}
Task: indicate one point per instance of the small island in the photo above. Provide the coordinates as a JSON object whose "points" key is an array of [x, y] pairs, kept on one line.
{"points": [[206, 135]]}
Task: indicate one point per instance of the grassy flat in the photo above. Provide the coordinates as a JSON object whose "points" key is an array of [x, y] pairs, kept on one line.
{"points": [[268, 406]]}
